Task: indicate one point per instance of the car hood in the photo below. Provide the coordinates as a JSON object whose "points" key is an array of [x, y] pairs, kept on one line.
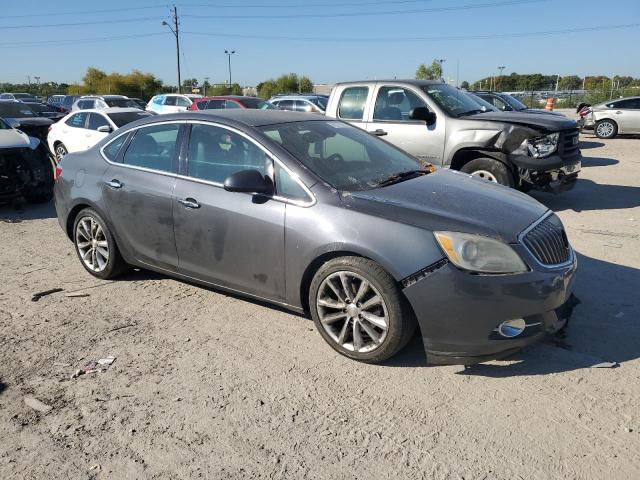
{"points": [[451, 201], [33, 121], [542, 121], [542, 112], [11, 138]]}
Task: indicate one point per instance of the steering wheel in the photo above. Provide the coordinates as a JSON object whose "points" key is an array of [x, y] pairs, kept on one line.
{"points": [[335, 157]]}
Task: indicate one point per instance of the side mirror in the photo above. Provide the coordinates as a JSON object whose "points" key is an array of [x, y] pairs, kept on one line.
{"points": [[507, 108], [104, 129], [248, 181], [13, 123], [422, 113]]}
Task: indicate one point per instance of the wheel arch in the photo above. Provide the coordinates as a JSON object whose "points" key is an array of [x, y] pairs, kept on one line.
{"points": [[464, 155]]}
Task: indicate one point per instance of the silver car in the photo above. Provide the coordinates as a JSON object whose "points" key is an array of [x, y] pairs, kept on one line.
{"points": [[612, 117], [101, 102]]}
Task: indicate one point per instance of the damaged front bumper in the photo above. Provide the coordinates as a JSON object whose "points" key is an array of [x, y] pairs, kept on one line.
{"points": [[553, 174], [459, 312]]}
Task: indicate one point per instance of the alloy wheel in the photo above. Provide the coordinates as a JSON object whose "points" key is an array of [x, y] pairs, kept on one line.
{"points": [[485, 175], [60, 152], [352, 311], [92, 244], [605, 129]]}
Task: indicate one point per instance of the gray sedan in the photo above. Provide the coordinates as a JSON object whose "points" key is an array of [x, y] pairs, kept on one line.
{"points": [[318, 216]]}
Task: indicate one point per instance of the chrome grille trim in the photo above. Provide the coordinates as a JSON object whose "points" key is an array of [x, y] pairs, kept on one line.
{"points": [[547, 242]]}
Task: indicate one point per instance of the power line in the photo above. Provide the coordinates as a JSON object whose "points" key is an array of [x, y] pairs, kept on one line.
{"points": [[78, 40], [84, 12], [298, 5], [419, 39], [370, 14], [95, 22]]}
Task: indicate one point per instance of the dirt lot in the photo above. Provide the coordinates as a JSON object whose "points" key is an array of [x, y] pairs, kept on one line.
{"points": [[207, 385]]}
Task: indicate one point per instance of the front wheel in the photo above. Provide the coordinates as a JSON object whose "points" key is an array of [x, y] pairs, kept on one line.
{"points": [[490, 170], [60, 151], [96, 247], [606, 129], [359, 310]]}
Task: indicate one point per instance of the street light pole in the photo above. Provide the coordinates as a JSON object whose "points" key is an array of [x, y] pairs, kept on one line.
{"points": [[501, 68], [206, 82], [441, 61], [229, 53], [176, 33]]}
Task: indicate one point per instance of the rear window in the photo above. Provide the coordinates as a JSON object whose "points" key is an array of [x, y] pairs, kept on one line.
{"points": [[119, 102], [122, 118], [257, 104]]}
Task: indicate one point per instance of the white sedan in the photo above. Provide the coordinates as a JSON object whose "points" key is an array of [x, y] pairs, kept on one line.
{"points": [[82, 129]]}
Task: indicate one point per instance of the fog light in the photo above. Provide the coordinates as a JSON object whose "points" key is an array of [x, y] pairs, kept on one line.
{"points": [[512, 328]]}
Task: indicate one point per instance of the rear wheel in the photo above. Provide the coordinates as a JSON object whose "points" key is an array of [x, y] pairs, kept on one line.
{"points": [[489, 169], [359, 310], [96, 247], [606, 129], [60, 151]]}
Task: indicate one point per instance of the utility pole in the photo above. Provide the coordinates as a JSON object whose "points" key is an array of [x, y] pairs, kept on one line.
{"points": [[229, 53], [557, 81], [441, 61], [176, 33], [611, 95], [204, 84], [501, 68]]}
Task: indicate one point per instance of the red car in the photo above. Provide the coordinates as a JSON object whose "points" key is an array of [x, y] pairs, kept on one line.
{"points": [[230, 101]]}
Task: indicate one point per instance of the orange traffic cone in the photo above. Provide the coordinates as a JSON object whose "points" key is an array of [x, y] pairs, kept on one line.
{"points": [[550, 102]]}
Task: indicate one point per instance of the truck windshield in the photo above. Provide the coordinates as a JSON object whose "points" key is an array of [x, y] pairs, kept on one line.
{"points": [[453, 101], [345, 157]]}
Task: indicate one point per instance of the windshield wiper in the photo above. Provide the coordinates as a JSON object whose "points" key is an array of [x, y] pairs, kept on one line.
{"points": [[470, 112], [401, 177]]}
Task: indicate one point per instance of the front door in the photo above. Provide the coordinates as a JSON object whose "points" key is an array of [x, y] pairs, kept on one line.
{"points": [[92, 135], [229, 239], [627, 115], [138, 188], [390, 120]]}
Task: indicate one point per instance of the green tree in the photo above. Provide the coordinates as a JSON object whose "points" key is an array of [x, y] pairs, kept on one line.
{"points": [[306, 85], [464, 85], [432, 72], [288, 83]]}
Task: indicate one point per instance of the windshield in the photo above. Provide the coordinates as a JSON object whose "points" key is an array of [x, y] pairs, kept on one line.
{"points": [[122, 118], [484, 105], [4, 126], [345, 157], [514, 102], [257, 103], [319, 102], [453, 101], [16, 110]]}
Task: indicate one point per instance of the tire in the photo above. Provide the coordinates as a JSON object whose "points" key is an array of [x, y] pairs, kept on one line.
{"points": [[371, 343], [606, 129], [114, 264], [491, 170], [40, 189], [60, 151]]}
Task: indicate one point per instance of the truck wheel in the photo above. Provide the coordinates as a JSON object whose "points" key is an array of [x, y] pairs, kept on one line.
{"points": [[606, 129], [489, 169], [359, 310]]}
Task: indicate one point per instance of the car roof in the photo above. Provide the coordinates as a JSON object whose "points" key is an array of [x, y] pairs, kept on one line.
{"points": [[227, 97], [102, 96], [395, 81], [112, 110]]}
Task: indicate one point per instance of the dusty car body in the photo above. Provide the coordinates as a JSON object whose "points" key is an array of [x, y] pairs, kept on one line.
{"points": [[25, 167], [317, 216], [449, 129]]}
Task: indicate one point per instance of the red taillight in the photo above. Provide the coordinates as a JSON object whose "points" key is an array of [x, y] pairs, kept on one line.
{"points": [[58, 172]]}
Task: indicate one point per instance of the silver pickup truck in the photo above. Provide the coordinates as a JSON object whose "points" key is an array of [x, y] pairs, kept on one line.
{"points": [[447, 127]]}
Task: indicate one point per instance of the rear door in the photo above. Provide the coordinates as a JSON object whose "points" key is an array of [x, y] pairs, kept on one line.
{"points": [[389, 119], [227, 238], [137, 188]]}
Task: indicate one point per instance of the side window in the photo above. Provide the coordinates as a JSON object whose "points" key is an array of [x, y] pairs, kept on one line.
{"points": [[303, 106], [230, 104], [111, 150], [158, 100], [287, 187], [395, 103], [216, 153], [170, 100], [153, 147], [352, 102], [629, 103], [78, 120], [202, 105], [499, 103], [286, 104], [215, 104], [183, 102], [96, 120]]}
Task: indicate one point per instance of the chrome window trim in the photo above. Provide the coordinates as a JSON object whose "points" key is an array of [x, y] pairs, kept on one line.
{"points": [[523, 234], [312, 198]]}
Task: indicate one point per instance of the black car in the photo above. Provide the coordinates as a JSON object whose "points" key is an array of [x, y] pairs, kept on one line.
{"points": [[46, 110], [21, 115], [508, 103]]}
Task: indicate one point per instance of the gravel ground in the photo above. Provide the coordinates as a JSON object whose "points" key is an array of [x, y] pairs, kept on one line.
{"points": [[207, 385]]}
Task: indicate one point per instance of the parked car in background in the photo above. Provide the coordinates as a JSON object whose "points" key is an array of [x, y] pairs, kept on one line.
{"points": [[99, 102], [508, 103], [483, 270], [300, 103], [25, 167], [66, 102], [45, 110], [81, 130], [139, 102], [21, 115], [171, 102], [16, 96], [230, 101], [612, 117], [442, 124]]}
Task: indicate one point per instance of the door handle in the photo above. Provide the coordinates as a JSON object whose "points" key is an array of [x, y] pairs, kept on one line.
{"points": [[379, 133], [618, 112], [190, 202], [115, 184]]}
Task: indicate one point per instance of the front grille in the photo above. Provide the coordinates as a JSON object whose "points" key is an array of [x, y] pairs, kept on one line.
{"points": [[547, 241], [569, 141]]}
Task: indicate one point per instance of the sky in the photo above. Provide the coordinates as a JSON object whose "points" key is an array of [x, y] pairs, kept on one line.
{"points": [[327, 40]]}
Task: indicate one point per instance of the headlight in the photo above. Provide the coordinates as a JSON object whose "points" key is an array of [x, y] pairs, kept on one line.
{"points": [[539, 147], [479, 254]]}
